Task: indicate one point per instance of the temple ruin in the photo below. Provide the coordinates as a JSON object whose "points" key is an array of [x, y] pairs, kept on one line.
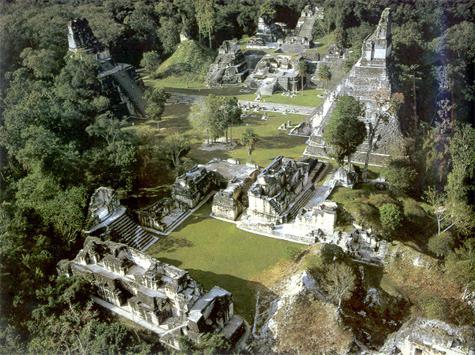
{"points": [[108, 219], [368, 77], [301, 37], [275, 72], [157, 296], [267, 35], [229, 67], [119, 81]]}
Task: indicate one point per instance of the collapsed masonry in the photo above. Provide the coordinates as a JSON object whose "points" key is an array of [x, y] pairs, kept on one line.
{"points": [[152, 294], [109, 220], [275, 72], [229, 67], [367, 78], [430, 337], [119, 81]]}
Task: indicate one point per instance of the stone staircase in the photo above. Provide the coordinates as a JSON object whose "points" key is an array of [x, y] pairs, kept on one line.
{"points": [[300, 202], [127, 231]]}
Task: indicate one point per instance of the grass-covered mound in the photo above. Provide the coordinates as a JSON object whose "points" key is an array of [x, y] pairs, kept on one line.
{"points": [[190, 58]]}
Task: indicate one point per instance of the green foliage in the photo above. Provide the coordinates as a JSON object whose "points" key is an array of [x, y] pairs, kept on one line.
{"points": [[324, 73], [267, 11], [339, 283], [331, 253], [150, 61], [434, 307], [174, 147], [345, 131], [205, 17], [364, 214], [249, 139], [460, 264], [155, 100], [400, 175], [441, 244], [391, 217]]}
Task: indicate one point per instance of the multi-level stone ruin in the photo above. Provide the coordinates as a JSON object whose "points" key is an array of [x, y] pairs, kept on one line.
{"points": [[120, 83], [229, 67], [301, 37], [108, 219], [368, 78], [267, 35], [152, 294], [275, 72]]}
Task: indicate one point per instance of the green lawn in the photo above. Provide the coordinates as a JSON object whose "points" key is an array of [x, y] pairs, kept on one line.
{"points": [[309, 97], [217, 253]]}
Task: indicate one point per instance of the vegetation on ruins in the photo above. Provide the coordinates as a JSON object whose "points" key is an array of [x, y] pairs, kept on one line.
{"points": [[339, 283], [391, 217], [324, 73], [345, 131], [60, 139]]}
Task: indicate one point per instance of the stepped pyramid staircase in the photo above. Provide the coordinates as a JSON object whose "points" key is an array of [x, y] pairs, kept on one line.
{"points": [[127, 231]]}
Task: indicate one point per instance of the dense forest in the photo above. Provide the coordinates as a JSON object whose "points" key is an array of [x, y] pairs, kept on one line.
{"points": [[60, 140]]}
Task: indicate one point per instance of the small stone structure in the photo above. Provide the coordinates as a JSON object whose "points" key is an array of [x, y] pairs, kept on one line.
{"points": [[368, 77], [108, 219], [229, 67], [120, 83], [281, 185], [301, 38], [275, 72], [154, 295], [320, 218], [430, 337]]}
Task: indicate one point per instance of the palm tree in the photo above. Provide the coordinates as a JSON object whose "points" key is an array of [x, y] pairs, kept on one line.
{"points": [[302, 71]]}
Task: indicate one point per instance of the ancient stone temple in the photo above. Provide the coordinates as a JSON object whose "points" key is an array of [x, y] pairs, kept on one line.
{"points": [[321, 217], [229, 67], [267, 35], [108, 219], [152, 294], [191, 187], [301, 37], [120, 83], [275, 72], [368, 78], [276, 195]]}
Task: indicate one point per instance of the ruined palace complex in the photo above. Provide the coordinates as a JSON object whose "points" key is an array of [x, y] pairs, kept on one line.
{"points": [[119, 81], [368, 77], [157, 296], [229, 67]]}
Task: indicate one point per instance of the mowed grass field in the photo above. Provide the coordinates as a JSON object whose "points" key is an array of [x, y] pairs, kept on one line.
{"points": [[217, 253]]}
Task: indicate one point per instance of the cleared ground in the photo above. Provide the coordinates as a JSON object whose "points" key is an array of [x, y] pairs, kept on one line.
{"points": [[217, 253]]}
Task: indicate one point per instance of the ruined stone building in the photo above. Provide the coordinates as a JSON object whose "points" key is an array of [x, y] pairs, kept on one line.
{"points": [[108, 219], [152, 294], [275, 72], [229, 67], [301, 37], [430, 337], [368, 77], [120, 83], [320, 218], [281, 189], [267, 35]]}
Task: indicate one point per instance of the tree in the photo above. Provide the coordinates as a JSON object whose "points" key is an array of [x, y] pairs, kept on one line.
{"points": [[324, 74], [249, 139], [441, 244], [386, 110], [150, 61], [205, 17], [155, 100], [345, 131], [339, 283], [267, 11], [400, 176], [174, 147], [391, 217], [303, 67]]}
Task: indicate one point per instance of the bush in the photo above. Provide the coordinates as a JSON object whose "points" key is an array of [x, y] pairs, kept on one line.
{"points": [[331, 253], [150, 61], [442, 244], [364, 214], [391, 217], [400, 176], [380, 199], [434, 308]]}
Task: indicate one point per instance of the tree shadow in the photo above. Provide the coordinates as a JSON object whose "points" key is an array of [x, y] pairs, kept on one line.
{"points": [[170, 244]]}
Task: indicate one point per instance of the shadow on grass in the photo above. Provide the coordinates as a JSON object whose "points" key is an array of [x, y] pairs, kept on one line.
{"points": [[170, 244]]}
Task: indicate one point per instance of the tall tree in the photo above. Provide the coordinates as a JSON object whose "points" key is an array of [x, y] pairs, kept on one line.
{"points": [[303, 67], [249, 139], [205, 17], [345, 131], [324, 74], [174, 146], [339, 283]]}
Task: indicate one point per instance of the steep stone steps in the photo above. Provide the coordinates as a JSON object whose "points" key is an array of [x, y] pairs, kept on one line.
{"points": [[131, 233]]}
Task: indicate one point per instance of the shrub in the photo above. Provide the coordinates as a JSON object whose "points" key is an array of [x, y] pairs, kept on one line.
{"points": [[400, 176], [331, 253], [391, 217], [434, 308], [364, 214], [441, 244], [380, 199], [150, 61]]}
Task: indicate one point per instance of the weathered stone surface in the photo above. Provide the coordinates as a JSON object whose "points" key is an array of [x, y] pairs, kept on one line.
{"points": [[301, 37], [368, 77], [267, 35], [229, 67], [159, 296]]}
